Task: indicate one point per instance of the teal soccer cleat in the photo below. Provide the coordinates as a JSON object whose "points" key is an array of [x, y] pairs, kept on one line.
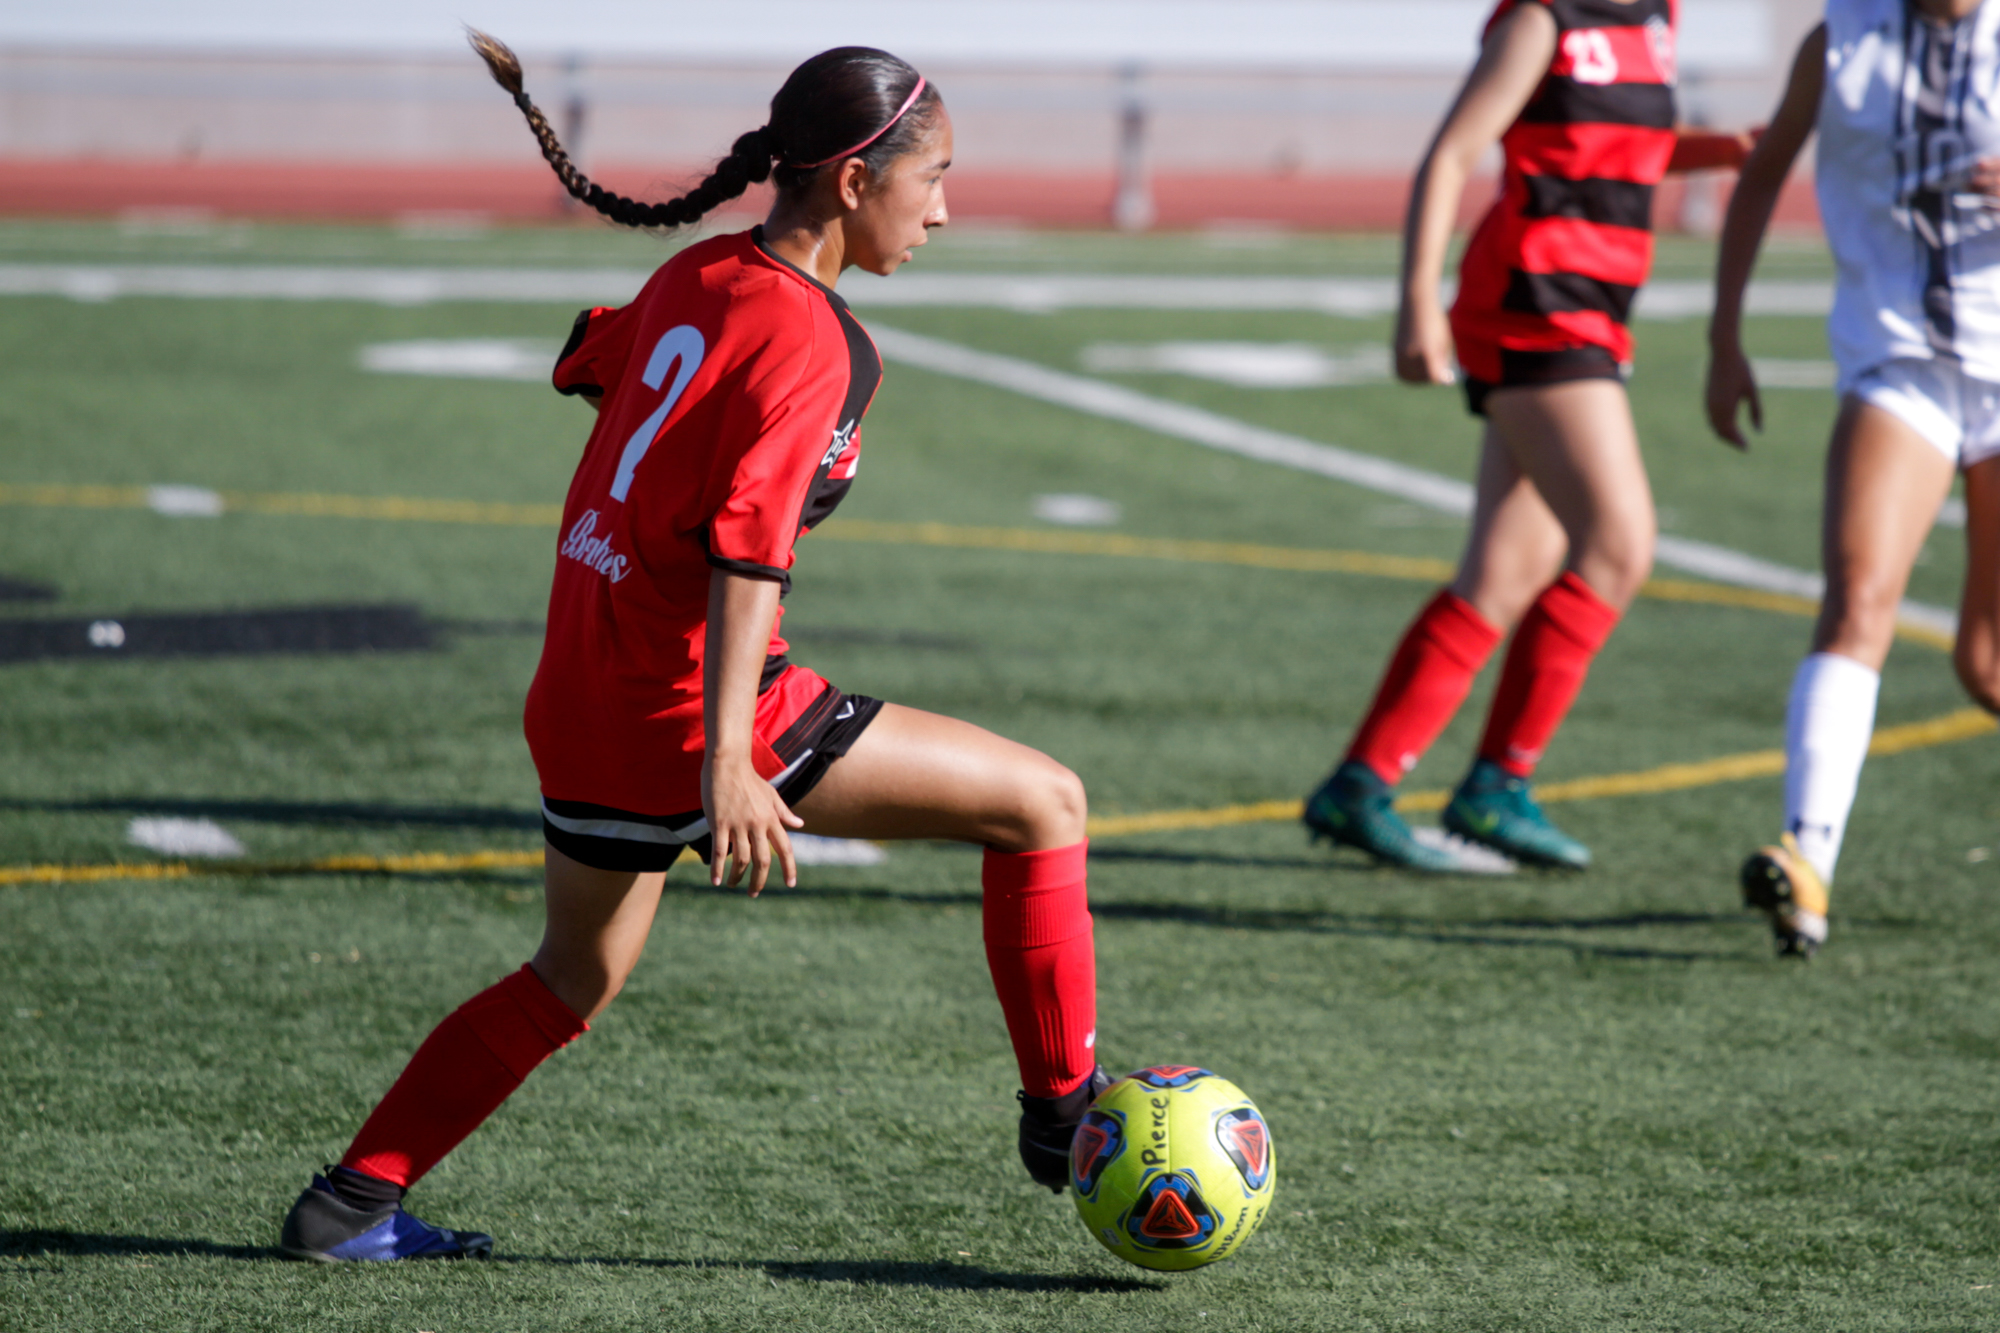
{"points": [[1494, 807], [1356, 808]]}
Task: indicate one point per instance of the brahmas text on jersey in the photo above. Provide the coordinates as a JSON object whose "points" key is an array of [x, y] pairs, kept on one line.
{"points": [[1908, 106], [732, 394], [1558, 258]]}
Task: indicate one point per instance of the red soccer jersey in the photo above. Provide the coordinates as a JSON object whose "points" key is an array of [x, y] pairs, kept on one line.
{"points": [[733, 390], [1558, 258]]}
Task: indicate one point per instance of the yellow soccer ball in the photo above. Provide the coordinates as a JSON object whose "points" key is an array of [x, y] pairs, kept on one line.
{"points": [[1172, 1168]]}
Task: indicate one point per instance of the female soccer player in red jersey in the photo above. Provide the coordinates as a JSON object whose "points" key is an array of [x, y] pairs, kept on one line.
{"points": [[1902, 94], [1579, 95], [665, 714]]}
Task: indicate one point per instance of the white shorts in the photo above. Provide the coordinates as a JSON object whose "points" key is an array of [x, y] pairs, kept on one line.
{"points": [[1939, 401]]}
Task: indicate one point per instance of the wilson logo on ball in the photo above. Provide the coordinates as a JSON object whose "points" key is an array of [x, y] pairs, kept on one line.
{"points": [[1241, 1135]]}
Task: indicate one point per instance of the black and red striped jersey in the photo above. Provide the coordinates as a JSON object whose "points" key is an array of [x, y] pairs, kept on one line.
{"points": [[1558, 258], [733, 389]]}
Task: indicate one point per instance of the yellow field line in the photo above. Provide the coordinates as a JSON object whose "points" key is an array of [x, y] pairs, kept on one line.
{"points": [[416, 863], [1962, 725], [952, 536], [1671, 777]]}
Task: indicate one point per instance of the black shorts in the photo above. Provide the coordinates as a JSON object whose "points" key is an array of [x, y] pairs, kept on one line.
{"points": [[608, 839], [1518, 369]]}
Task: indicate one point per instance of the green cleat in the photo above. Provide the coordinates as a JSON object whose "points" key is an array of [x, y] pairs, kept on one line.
{"points": [[1356, 808], [1494, 807]]}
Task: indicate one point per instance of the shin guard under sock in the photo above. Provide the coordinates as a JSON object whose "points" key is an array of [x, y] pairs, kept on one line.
{"points": [[470, 1064], [1426, 680], [1827, 729], [1039, 945], [1545, 667]]}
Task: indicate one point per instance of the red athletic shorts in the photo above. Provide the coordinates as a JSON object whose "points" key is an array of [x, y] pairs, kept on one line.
{"points": [[806, 728], [1518, 368]]}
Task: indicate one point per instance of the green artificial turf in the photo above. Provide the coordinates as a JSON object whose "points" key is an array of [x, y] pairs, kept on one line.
{"points": [[1525, 1103]]}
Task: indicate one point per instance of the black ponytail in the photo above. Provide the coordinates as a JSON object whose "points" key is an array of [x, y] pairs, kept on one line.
{"points": [[834, 101]]}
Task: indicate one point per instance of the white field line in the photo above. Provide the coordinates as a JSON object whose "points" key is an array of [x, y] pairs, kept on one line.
{"points": [[403, 286], [1429, 489]]}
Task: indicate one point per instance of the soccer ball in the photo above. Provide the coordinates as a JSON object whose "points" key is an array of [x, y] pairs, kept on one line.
{"points": [[1172, 1167]]}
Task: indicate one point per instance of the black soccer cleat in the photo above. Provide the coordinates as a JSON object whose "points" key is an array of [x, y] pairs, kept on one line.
{"points": [[325, 1228], [1049, 1123]]}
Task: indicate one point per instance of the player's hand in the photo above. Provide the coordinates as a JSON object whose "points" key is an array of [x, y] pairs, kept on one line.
{"points": [[1731, 383], [1984, 178], [748, 821], [1422, 345]]}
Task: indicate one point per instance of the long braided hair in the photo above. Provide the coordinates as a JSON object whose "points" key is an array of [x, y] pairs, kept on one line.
{"points": [[837, 98]]}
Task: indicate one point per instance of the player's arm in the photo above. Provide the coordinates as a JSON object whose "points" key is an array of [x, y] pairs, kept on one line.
{"points": [[1730, 381], [746, 817], [595, 400], [1510, 67], [1709, 150]]}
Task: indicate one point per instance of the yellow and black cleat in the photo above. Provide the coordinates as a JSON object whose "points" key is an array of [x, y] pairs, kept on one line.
{"points": [[1779, 882]]}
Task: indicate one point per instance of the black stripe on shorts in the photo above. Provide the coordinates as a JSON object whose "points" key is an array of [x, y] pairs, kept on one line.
{"points": [[1553, 366], [606, 838]]}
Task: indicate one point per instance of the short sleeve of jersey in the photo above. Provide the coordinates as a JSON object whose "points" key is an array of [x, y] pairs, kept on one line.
{"points": [[786, 425], [593, 360]]}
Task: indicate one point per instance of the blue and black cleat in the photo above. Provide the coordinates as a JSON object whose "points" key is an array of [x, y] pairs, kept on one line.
{"points": [[327, 1229], [1048, 1124]]}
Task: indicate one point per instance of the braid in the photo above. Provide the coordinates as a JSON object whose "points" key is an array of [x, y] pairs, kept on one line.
{"points": [[749, 160]]}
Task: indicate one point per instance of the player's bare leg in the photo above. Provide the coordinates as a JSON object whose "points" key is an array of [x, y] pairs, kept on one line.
{"points": [[1562, 541], [1884, 483], [595, 932], [1577, 445], [1977, 654], [914, 774], [1516, 545]]}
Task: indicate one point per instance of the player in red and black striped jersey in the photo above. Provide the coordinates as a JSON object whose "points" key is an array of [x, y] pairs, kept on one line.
{"points": [[1579, 95], [665, 714]]}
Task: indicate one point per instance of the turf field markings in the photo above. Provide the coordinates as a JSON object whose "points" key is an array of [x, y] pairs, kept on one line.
{"points": [[177, 836], [1780, 373], [416, 285], [184, 501], [1305, 559], [1077, 511], [525, 359], [392, 507], [1212, 430], [1247, 365], [1965, 724]]}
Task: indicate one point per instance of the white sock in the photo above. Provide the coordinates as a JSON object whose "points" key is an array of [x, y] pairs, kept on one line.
{"points": [[1827, 727]]}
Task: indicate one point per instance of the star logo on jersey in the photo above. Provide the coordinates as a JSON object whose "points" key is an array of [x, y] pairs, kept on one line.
{"points": [[841, 439], [1660, 35]]}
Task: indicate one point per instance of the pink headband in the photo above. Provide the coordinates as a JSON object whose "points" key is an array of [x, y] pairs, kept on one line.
{"points": [[908, 102]]}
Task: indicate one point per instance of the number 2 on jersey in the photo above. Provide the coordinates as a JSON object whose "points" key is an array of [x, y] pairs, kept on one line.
{"points": [[682, 343]]}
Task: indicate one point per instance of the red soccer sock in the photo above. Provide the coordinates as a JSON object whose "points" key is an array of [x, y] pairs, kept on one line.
{"points": [[1044, 962], [468, 1065], [1426, 681], [1546, 664]]}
